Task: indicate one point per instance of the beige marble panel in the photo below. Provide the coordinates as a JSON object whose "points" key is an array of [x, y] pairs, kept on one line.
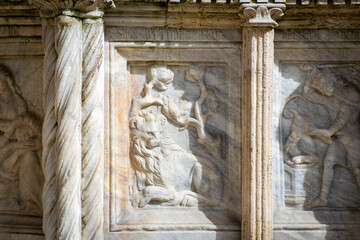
{"points": [[174, 123]]}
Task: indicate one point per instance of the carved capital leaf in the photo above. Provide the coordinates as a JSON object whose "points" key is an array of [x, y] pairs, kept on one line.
{"points": [[261, 14], [77, 8]]}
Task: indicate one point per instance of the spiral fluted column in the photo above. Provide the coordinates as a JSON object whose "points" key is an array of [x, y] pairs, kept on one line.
{"points": [[68, 135], [50, 192], [92, 129]]}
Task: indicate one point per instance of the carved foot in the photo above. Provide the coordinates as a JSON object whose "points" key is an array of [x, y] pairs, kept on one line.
{"points": [[191, 199], [151, 193], [318, 202], [183, 199]]}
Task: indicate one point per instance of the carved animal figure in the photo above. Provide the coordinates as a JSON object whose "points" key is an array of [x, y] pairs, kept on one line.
{"points": [[164, 171]]}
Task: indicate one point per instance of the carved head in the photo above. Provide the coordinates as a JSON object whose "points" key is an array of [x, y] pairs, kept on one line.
{"points": [[322, 84], [28, 126], [162, 77], [6, 80], [148, 127]]}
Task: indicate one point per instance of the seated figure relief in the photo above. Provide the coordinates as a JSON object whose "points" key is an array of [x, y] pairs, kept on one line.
{"points": [[165, 173], [339, 100], [21, 178]]}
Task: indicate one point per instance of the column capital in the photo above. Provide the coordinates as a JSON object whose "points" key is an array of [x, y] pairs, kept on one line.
{"points": [[261, 15], [76, 8]]}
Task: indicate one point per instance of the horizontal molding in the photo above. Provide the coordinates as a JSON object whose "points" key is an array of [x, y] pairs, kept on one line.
{"points": [[17, 223], [316, 227], [21, 46], [305, 14]]}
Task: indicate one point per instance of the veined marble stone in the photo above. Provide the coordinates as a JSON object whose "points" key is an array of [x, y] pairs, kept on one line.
{"points": [[174, 138], [187, 126], [317, 139], [21, 177], [20, 145]]}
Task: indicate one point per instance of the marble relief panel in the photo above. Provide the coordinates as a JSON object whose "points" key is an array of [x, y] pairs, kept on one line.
{"points": [[21, 178], [175, 160], [320, 131], [316, 123], [175, 153], [316, 134], [20, 140]]}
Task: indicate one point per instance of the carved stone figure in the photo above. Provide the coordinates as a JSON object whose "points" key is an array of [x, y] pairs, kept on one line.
{"points": [[21, 178], [164, 172], [341, 100], [300, 126]]}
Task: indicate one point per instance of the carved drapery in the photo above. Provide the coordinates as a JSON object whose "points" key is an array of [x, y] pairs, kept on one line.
{"points": [[257, 67], [73, 127]]}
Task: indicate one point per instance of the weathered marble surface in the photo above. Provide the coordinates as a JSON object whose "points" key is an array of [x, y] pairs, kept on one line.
{"points": [[317, 137], [9, 236], [20, 137], [174, 124], [20, 143], [21, 179], [166, 173], [298, 163]]}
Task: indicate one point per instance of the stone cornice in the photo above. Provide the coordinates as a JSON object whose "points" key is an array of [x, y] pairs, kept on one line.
{"points": [[194, 15], [77, 8], [206, 15]]}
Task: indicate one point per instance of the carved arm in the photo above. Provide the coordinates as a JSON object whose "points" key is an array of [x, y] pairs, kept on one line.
{"points": [[7, 126]]}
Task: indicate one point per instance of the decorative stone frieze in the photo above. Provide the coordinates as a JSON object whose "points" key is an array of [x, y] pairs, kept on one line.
{"points": [[189, 151]]}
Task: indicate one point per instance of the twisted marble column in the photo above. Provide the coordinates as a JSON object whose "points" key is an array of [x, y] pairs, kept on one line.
{"points": [[257, 67], [50, 192], [73, 151], [68, 136], [92, 129]]}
